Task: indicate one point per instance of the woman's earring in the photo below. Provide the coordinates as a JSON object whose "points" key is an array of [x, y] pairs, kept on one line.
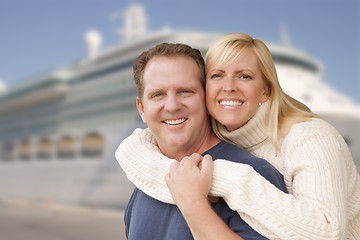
{"points": [[260, 104]]}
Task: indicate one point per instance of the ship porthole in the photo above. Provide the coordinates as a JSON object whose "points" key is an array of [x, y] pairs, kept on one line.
{"points": [[65, 147], [44, 149], [92, 145], [25, 150]]}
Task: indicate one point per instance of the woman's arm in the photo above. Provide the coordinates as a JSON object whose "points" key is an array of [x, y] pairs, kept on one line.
{"points": [[144, 164], [189, 182], [316, 210]]}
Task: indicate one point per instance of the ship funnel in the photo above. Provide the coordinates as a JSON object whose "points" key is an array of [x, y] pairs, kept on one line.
{"points": [[93, 41]]}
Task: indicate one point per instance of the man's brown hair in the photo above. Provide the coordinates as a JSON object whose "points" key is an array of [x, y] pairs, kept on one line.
{"points": [[165, 50]]}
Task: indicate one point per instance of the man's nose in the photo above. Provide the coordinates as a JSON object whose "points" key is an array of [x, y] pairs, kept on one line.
{"points": [[172, 103]]}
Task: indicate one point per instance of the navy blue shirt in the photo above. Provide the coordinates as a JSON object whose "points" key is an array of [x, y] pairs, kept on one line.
{"points": [[148, 218]]}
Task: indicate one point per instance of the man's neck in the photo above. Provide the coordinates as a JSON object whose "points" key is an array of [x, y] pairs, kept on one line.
{"points": [[209, 141]]}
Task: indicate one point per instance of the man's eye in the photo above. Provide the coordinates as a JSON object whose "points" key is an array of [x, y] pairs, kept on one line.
{"points": [[186, 91], [156, 95]]}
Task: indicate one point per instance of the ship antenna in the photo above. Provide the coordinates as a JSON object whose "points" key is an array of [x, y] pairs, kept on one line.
{"points": [[285, 39]]}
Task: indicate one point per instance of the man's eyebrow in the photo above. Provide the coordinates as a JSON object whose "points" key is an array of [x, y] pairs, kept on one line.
{"points": [[153, 91]]}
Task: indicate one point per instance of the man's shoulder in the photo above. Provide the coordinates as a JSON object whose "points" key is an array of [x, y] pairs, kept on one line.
{"points": [[148, 218], [231, 152]]}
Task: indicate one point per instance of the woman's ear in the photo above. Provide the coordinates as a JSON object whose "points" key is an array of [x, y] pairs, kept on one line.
{"points": [[266, 93]]}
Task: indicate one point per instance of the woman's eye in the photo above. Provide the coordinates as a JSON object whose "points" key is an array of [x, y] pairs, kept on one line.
{"points": [[215, 76], [245, 76]]}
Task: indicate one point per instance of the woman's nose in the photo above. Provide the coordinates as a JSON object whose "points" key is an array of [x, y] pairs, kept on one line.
{"points": [[229, 85]]}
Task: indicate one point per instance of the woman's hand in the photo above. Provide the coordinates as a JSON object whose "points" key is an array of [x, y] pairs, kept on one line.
{"points": [[190, 180]]}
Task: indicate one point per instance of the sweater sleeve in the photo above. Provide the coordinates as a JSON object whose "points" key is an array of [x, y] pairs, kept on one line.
{"points": [[144, 165], [315, 210]]}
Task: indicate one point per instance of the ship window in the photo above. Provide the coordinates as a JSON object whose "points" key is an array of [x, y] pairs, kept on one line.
{"points": [[7, 151], [25, 150], [295, 61], [92, 145], [66, 147], [44, 148]]}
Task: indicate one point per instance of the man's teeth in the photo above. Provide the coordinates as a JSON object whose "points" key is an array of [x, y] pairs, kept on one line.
{"points": [[231, 103], [175, 122]]}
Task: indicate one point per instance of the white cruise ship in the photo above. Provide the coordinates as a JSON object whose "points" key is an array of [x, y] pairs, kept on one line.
{"points": [[59, 131]]}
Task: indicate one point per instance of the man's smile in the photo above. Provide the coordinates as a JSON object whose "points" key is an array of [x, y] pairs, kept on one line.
{"points": [[175, 121]]}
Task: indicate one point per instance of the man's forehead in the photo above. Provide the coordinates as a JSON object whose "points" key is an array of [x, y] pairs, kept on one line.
{"points": [[163, 70], [168, 85]]}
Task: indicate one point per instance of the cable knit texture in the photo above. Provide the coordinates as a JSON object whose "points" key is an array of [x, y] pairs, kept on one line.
{"points": [[324, 186]]}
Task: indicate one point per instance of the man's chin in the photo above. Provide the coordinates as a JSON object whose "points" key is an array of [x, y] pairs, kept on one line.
{"points": [[175, 140]]}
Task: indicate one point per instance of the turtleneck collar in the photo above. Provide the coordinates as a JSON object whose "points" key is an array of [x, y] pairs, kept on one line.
{"points": [[249, 135]]}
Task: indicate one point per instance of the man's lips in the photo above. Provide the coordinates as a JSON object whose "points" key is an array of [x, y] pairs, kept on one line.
{"points": [[175, 121]]}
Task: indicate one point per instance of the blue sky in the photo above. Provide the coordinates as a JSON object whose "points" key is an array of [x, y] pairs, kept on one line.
{"points": [[39, 35]]}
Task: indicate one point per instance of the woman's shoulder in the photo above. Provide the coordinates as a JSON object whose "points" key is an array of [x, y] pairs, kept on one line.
{"points": [[314, 130], [313, 126]]}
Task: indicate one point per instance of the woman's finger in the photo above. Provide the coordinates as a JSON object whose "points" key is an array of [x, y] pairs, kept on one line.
{"points": [[173, 167], [207, 166], [194, 160]]}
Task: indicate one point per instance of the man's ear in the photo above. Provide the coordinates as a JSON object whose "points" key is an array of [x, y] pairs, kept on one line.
{"points": [[140, 109]]}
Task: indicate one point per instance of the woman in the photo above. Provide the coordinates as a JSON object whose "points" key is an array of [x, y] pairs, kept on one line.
{"points": [[250, 109]]}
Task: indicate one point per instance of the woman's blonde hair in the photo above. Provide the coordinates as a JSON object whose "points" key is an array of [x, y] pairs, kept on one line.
{"points": [[284, 110]]}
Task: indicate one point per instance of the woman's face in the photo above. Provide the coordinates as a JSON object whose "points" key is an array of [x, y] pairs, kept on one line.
{"points": [[233, 92]]}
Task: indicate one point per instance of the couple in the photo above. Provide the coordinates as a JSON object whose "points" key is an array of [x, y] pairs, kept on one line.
{"points": [[249, 109]]}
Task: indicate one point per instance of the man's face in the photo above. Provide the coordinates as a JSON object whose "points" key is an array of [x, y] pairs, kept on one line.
{"points": [[173, 105]]}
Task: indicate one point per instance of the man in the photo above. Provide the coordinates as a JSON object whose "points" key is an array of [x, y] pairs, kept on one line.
{"points": [[170, 81]]}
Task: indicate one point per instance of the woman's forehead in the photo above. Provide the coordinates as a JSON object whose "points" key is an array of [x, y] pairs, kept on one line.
{"points": [[227, 56]]}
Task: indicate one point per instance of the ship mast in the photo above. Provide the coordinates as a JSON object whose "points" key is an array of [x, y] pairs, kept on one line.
{"points": [[135, 21]]}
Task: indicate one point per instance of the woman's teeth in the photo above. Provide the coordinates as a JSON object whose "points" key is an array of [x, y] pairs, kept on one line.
{"points": [[231, 103]]}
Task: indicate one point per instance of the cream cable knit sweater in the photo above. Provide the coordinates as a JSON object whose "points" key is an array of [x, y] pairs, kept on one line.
{"points": [[318, 171]]}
